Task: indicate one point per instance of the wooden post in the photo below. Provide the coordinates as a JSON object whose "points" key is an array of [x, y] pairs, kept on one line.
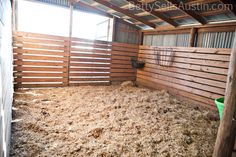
{"points": [[192, 37], [114, 29], [227, 130], [68, 42]]}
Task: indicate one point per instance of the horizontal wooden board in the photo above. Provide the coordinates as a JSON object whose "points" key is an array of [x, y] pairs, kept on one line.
{"points": [[34, 74], [16, 62], [20, 51], [196, 73], [155, 85], [20, 68], [34, 85], [39, 58], [188, 49], [40, 80], [183, 76]]}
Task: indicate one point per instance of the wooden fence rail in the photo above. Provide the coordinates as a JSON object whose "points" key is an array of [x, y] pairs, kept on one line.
{"points": [[198, 74], [53, 61]]}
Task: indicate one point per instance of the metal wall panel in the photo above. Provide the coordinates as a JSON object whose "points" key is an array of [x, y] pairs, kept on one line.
{"points": [[181, 40], [216, 40]]}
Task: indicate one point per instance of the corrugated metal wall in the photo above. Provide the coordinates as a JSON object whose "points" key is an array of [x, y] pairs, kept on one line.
{"points": [[181, 40], [216, 40], [126, 33], [205, 39]]}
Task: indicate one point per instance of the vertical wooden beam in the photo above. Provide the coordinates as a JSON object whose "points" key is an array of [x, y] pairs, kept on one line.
{"points": [[114, 29], [71, 20], [227, 130], [15, 15], [68, 43], [192, 37]]}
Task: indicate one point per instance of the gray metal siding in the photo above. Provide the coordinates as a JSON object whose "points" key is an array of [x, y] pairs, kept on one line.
{"points": [[216, 40], [181, 40]]}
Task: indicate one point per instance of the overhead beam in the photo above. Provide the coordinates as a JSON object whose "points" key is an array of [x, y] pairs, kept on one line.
{"points": [[233, 3], [191, 13], [125, 12], [90, 9], [154, 13]]}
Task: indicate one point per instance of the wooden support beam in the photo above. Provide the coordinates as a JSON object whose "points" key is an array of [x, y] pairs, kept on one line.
{"points": [[192, 37], [92, 9], [125, 12], [227, 130], [159, 15], [232, 3], [191, 13]]}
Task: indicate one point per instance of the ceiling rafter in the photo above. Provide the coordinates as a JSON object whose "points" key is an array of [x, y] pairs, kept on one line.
{"points": [[232, 2], [156, 14], [194, 2], [125, 12], [191, 13]]}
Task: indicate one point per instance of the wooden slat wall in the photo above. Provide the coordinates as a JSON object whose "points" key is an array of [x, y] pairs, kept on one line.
{"points": [[40, 60], [198, 74], [53, 61], [6, 79], [90, 62], [121, 69]]}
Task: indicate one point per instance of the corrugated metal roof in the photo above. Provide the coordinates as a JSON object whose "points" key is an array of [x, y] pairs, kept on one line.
{"points": [[172, 14]]}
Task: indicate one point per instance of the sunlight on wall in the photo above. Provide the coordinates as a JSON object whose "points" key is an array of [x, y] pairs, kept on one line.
{"points": [[54, 20], [41, 18]]}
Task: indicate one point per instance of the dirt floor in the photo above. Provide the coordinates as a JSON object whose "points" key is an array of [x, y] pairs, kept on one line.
{"points": [[109, 121]]}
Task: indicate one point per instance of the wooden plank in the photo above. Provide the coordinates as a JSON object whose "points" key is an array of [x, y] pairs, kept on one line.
{"points": [[89, 79], [37, 41], [89, 60], [39, 63], [92, 50], [182, 87], [38, 46], [188, 49], [120, 66], [90, 74], [89, 65], [40, 79], [154, 85], [196, 61], [91, 84], [194, 55], [122, 70], [123, 74], [16, 68], [120, 53], [38, 85], [124, 49], [184, 76], [88, 70], [37, 35], [115, 57], [39, 52], [132, 46], [190, 72], [45, 74], [200, 68], [185, 83], [105, 56], [123, 78], [39, 58]]}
